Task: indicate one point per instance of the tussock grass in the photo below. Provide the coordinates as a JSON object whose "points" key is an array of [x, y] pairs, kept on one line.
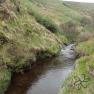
{"points": [[82, 68], [84, 65], [86, 47]]}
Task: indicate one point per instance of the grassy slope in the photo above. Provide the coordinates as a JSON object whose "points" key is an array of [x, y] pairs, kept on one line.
{"points": [[56, 10], [83, 8], [23, 34], [84, 65], [62, 14], [21, 39], [59, 13]]}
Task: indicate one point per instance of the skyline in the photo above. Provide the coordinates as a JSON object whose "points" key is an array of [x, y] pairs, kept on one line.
{"points": [[88, 1]]}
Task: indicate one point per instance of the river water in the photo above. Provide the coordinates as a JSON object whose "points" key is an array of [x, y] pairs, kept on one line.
{"points": [[45, 77]]}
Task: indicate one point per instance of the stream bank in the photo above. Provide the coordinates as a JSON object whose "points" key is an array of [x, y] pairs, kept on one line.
{"points": [[81, 80], [45, 76], [7, 71]]}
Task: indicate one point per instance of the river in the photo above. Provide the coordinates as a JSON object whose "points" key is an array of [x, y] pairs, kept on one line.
{"points": [[45, 77]]}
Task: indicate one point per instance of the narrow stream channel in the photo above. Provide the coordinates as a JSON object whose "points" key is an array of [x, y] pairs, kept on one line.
{"points": [[46, 77]]}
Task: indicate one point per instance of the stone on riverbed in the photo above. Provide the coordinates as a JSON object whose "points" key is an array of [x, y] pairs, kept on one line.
{"points": [[68, 51]]}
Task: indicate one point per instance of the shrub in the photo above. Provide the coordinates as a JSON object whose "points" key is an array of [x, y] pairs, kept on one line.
{"points": [[70, 30], [87, 20], [45, 21], [87, 47], [84, 36], [48, 23]]}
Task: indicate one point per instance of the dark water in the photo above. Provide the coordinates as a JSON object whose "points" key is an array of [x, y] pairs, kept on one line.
{"points": [[46, 77]]}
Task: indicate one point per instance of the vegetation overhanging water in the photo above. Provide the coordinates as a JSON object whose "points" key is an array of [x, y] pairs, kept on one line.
{"points": [[45, 77]]}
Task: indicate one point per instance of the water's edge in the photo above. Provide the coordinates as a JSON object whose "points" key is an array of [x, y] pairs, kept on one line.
{"points": [[45, 77]]}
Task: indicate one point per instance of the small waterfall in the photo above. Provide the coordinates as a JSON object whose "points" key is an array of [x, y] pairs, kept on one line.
{"points": [[68, 51]]}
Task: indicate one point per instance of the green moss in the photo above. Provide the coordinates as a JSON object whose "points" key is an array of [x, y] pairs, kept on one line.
{"points": [[5, 77]]}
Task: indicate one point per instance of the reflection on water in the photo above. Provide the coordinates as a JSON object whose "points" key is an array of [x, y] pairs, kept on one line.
{"points": [[45, 77]]}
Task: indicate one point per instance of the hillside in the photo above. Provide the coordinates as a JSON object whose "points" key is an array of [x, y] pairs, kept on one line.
{"points": [[30, 29], [63, 16], [22, 39], [84, 8], [66, 13]]}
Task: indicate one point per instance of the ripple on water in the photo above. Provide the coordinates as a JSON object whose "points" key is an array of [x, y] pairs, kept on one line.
{"points": [[45, 77]]}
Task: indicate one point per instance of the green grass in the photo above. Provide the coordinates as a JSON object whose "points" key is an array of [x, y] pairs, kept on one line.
{"points": [[59, 14], [81, 68], [86, 47], [28, 27], [84, 65], [5, 78], [56, 10], [22, 38], [83, 8], [86, 10], [45, 21]]}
